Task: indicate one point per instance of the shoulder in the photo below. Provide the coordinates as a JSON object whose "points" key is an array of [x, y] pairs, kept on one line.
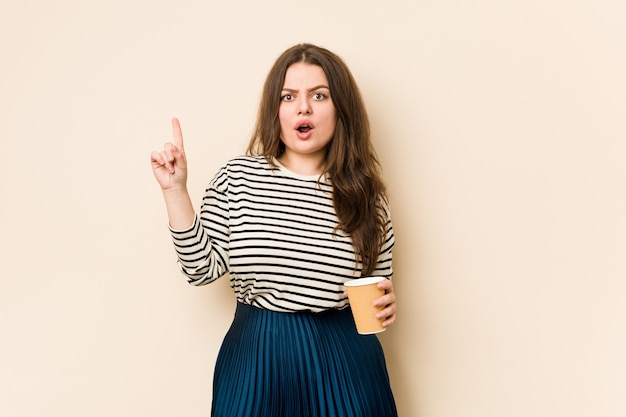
{"points": [[247, 168], [247, 163]]}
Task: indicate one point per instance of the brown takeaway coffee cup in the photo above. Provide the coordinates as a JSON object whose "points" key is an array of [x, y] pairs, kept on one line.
{"points": [[362, 292]]}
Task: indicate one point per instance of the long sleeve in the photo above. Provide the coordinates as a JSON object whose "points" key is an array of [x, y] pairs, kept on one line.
{"points": [[384, 263], [203, 248]]}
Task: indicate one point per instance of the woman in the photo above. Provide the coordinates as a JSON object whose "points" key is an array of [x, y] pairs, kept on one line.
{"points": [[303, 212]]}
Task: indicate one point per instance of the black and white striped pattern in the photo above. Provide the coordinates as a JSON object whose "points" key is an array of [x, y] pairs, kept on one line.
{"points": [[273, 231]]}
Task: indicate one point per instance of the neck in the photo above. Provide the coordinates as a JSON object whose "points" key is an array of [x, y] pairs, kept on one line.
{"points": [[302, 164]]}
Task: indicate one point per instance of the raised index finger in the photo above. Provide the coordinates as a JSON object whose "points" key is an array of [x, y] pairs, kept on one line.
{"points": [[178, 134]]}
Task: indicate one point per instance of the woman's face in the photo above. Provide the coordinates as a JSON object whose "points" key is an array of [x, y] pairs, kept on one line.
{"points": [[306, 113]]}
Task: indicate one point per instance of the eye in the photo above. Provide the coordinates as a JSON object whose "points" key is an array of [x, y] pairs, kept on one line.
{"points": [[286, 97], [319, 96]]}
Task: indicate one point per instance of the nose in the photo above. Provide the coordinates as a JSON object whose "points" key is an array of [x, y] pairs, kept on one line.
{"points": [[304, 107]]}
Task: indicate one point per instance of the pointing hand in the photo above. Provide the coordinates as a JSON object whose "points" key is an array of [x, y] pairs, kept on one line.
{"points": [[170, 165]]}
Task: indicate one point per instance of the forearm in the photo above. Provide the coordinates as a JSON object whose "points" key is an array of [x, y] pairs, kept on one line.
{"points": [[200, 257], [180, 211]]}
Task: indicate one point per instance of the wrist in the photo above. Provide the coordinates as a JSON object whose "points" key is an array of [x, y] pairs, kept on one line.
{"points": [[175, 191]]}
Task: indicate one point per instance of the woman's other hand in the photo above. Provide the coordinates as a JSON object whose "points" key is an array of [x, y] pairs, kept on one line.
{"points": [[388, 314]]}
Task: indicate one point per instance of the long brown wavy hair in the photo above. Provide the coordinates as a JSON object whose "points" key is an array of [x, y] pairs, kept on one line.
{"points": [[351, 162]]}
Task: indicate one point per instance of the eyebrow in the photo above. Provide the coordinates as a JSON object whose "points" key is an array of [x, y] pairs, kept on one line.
{"points": [[291, 90]]}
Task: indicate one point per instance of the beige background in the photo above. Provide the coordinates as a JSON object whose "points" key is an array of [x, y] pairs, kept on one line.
{"points": [[501, 128]]}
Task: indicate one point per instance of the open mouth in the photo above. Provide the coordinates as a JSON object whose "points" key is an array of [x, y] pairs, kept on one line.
{"points": [[304, 128]]}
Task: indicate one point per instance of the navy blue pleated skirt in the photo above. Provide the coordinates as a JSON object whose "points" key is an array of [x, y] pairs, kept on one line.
{"points": [[305, 364]]}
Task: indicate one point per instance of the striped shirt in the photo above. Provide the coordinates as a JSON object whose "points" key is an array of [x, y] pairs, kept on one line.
{"points": [[273, 231]]}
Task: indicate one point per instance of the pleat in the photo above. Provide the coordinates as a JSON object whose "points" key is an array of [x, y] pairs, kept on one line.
{"points": [[275, 364]]}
